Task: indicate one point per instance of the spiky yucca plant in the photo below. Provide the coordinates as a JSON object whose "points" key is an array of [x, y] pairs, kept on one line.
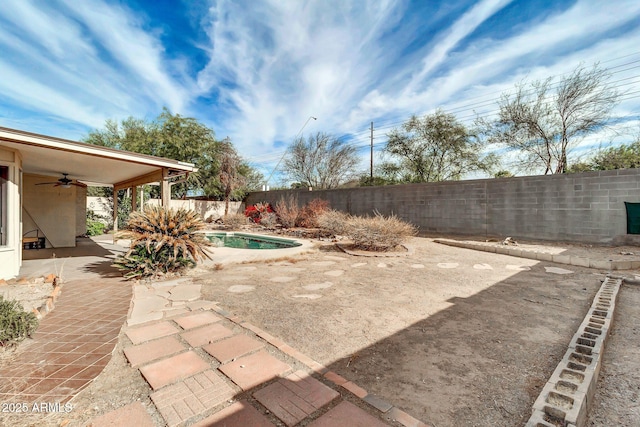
{"points": [[162, 241]]}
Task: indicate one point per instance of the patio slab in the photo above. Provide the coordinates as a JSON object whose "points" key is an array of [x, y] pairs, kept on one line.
{"points": [[179, 402], [173, 369], [240, 414], [347, 414], [147, 333], [250, 371], [206, 335], [144, 353], [295, 397], [133, 414], [232, 348], [194, 320]]}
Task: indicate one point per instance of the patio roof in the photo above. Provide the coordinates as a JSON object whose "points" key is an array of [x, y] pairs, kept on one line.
{"points": [[91, 164]]}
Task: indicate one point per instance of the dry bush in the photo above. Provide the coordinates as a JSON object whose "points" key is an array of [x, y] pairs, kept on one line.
{"points": [[268, 219], [333, 221], [308, 216], [379, 233], [287, 211], [235, 220]]}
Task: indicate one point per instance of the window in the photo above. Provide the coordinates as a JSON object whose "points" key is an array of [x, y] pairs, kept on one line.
{"points": [[4, 190]]}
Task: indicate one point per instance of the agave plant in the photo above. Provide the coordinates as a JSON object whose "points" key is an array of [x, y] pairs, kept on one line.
{"points": [[162, 241]]}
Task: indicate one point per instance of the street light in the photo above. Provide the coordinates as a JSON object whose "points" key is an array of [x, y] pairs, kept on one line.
{"points": [[265, 187]]}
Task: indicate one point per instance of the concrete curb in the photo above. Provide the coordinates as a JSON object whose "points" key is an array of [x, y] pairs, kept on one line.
{"points": [[543, 256], [566, 397]]}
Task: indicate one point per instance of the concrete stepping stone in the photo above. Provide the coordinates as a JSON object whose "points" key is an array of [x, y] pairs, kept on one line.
{"points": [[323, 263], [358, 264], [482, 267], [171, 283], [334, 273], [173, 369], [448, 264], [238, 289], [232, 348], [198, 319], [133, 414], [185, 293], [206, 335], [282, 279], [382, 265], [518, 267], [347, 414], [240, 414], [335, 258], [294, 398], [250, 371], [202, 304], [417, 265], [318, 286], [307, 296], [150, 332], [144, 318], [202, 392], [144, 353], [296, 269], [557, 270]]}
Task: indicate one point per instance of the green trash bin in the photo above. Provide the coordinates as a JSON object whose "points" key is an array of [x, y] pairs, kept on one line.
{"points": [[633, 217]]}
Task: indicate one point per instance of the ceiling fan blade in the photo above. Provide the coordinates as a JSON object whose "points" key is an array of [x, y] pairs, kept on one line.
{"points": [[48, 183], [79, 184]]}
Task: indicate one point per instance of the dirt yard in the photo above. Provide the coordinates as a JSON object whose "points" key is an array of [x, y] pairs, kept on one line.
{"points": [[455, 337]]}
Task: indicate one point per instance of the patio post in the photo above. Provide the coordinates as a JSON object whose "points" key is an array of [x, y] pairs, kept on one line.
{"points": [[115, 213], [134, 198]]}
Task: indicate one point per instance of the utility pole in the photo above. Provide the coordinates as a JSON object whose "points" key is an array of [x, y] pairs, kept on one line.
{"points": [[371, 174]]}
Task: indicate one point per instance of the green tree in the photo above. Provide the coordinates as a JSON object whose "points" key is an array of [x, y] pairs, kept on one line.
{"points": [[321, 161], [435, 148], [503, 174], [626, 156], [543, 124], [229, 175], [180, 138]]}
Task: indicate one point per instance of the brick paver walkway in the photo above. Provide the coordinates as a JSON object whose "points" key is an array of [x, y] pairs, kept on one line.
{"points": [[209, 368], [71, 346]]}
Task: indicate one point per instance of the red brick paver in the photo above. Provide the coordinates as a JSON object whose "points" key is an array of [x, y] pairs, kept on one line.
{"points": [[240, 414], [295, 397], [140, 354], [72, 344], [193, 396], [151, 332], [232, 348], [133, 414], [198, 319], [347, 414], [175, 368], [206, 335], [252, 370]]}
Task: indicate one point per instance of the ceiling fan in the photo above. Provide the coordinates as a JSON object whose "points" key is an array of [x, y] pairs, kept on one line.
{"points": [[63, 182]]}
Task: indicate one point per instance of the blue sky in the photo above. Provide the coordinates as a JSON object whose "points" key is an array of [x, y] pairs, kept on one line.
{"points": [[256, 70]]}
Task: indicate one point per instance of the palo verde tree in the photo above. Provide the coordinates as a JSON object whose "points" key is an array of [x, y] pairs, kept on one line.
{"points": [[321, 161], [626, 156], [436, 147], [230, 177], [544, 121]]}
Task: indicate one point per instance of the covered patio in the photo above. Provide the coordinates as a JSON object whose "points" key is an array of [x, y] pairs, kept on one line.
{"points": [[37, 201]]}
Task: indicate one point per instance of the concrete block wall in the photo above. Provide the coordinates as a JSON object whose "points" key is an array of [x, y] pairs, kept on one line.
{"points": [[584, 207]]}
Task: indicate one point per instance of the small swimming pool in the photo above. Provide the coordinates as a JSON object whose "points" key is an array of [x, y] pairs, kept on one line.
{"points": [[249, 241]]}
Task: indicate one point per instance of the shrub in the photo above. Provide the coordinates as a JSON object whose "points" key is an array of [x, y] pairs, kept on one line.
{"points": [[15, 323], [162, 241], [235, 220], [269, 219], [308, 216], [95, 228], [288, 211], [255, 212], [379, 233], [335, 222]]}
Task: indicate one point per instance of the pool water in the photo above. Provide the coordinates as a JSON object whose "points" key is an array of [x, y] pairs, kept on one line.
{"points": [[249, 241]]}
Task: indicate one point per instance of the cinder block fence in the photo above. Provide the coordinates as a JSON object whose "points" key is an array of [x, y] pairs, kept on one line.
{"points": [[582, 207]]}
